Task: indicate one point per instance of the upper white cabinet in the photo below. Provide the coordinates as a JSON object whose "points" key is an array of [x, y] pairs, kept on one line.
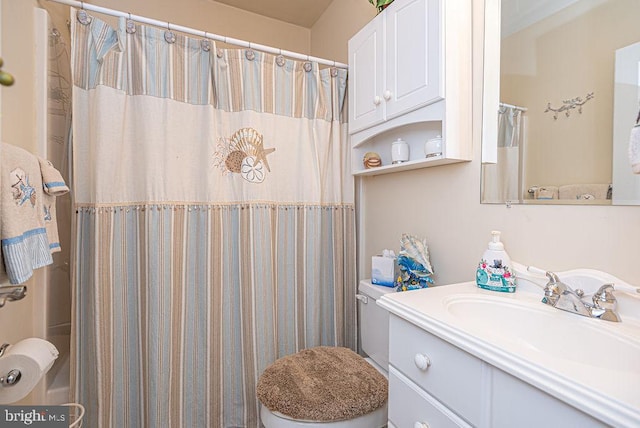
{"points": [[410, 78], [394, 63], [366, 65]]}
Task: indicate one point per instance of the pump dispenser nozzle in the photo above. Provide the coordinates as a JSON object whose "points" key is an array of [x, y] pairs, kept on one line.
{"points": [[495, 243]]}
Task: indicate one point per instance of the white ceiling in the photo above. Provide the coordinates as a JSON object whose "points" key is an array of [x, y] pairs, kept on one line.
{"points": [[299, 12]]}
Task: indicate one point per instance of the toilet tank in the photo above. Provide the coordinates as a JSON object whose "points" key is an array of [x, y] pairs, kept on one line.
{"points": [[374, 323]]}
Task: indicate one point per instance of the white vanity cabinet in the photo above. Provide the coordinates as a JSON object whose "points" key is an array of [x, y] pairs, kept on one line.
{"points": [[410, 77], [433, 383]]}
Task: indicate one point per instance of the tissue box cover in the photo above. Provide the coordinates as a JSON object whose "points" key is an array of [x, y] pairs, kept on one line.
{"points": [[383, 271]]}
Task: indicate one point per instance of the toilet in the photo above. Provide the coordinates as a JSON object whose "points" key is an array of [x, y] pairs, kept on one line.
{"points": [[291, 389]]}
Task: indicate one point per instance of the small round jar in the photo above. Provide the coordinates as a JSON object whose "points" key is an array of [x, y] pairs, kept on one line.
{"points": [[433, 147], [399, 151]]}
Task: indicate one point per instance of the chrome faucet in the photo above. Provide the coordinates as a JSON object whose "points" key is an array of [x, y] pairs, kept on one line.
{"points": [[561, 296]]}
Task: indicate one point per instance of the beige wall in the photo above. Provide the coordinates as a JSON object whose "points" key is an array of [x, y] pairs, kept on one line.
{"points": [[559, 58], [17, 116], [442, 204], [341, 20], [218, 18]]}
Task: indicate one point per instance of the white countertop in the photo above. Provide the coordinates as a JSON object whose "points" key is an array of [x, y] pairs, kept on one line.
{"points": [[591, 364]]}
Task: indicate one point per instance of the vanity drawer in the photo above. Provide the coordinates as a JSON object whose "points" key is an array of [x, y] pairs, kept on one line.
{"points": [[454, 377], [409, 406]]}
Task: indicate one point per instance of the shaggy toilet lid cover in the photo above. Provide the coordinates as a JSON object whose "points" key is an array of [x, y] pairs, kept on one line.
{"points": [[322, 384]]}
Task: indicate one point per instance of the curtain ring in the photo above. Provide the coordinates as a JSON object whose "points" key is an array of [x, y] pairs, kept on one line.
{"points": [[249, 53], [205, 44], [280, 58], [334, 70], [307, 66], [82, 16], [131, 25], [169, 36]]}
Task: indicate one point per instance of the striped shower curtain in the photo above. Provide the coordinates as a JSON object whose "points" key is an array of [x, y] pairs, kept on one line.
{"points": [[502, 181], [214, 227]]}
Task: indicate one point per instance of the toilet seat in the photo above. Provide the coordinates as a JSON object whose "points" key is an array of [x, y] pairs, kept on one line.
{"points": [[375, 419], [323, 387]]}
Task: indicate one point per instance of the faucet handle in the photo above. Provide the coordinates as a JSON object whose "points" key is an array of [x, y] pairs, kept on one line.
{"points": [[552, 290], [554, 287], [553, 278], [604, 298]]}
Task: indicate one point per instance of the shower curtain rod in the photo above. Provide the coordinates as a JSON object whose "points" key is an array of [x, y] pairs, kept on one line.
{"points": [[512, 106], [205, 34]]}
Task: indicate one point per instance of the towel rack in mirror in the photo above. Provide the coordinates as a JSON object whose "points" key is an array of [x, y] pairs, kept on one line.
{"points": [[11, 293]]}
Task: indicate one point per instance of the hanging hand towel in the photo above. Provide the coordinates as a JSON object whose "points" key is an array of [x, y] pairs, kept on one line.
{"points": [[546, 192], [634, 149], [53, 185], [23, 214]]}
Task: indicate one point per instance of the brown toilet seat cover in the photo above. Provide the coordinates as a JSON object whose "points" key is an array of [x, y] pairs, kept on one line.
{"points": [[322, 384]]}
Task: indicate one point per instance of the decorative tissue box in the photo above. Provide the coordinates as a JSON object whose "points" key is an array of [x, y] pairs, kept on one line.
{"points": [[383, 270]]}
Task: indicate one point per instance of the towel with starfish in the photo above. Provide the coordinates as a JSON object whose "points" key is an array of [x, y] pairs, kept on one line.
{"points": [[28, 232]]}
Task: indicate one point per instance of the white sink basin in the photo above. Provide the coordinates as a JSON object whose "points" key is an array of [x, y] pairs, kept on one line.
{"points": [[539, 329], [590, 363]]}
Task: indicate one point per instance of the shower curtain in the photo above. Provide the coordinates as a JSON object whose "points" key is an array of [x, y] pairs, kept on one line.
{"points": [[501, 181], [215, 226]]}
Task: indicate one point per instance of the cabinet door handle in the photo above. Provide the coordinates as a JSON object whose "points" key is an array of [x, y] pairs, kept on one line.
{"points": [[421, 425], [422, 361], [387, 95], [377, 100]]}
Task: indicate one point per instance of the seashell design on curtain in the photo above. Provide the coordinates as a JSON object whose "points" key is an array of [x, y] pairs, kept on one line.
{"points": [[214, 228]]}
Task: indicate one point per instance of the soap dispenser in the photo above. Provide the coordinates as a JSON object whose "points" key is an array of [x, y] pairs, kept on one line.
{"points": [[494, 269]]}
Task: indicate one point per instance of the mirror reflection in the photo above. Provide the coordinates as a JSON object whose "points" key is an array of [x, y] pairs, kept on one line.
{"points": [[569, 99]]}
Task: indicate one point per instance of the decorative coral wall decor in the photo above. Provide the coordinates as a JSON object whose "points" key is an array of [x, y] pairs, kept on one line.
{"points": [[568, 105]]}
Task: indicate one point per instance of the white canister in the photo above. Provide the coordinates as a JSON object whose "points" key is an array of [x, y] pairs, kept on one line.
{"points": [[399, 151], [433, 147]]}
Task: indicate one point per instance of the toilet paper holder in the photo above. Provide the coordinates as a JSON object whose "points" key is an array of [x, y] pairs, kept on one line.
{"points": [[10, 378], [13, 376]]}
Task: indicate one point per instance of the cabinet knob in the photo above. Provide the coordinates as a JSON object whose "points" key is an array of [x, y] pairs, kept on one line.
{"points": [[377, 100], [422, 361], [421, 425], [387, 95]]}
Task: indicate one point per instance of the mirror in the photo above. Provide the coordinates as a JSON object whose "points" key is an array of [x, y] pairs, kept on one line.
{"points": [[561, 97]]}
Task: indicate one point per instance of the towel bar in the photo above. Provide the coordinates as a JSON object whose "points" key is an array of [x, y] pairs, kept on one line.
{"points": [[12, 293]]}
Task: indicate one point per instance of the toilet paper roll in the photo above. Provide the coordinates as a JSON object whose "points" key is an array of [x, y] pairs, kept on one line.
{"points": [[33, 357]]}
